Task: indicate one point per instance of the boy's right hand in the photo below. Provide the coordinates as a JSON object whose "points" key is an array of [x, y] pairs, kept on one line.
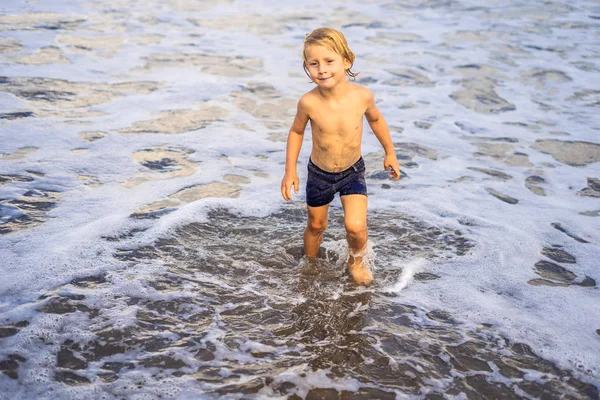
{"points": [[289, 180], [390, 164]]}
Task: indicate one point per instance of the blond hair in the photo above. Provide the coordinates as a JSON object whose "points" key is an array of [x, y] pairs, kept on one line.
{"points": [[335, 41]]}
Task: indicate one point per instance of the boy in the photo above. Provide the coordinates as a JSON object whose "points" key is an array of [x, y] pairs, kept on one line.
{"points": [[335, 109]]}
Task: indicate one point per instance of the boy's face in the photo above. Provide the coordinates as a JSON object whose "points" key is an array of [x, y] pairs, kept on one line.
{"points": [[325, 67]]}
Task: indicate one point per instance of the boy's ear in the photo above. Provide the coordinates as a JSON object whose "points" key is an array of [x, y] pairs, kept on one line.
{"points": [[347, 64]]}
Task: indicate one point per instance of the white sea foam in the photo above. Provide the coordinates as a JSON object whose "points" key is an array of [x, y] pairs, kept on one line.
{"points": [[408, 271]]}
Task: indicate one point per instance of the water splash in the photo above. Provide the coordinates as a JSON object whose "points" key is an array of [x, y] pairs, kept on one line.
{"points": [[408, 272]]}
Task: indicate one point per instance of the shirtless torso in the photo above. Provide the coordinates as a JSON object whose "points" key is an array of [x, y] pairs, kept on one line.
{"points": [[337, 128], [336, 124]]}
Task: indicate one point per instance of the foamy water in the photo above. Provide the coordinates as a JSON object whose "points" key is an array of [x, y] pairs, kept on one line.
{"points": [[146, 251]]}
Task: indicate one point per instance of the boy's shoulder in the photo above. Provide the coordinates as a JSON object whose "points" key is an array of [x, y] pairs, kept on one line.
{"points": [[311, 94], [309, 98], [362, 91]]}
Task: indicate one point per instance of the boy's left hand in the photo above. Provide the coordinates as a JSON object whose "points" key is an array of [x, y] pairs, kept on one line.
{"points": [[391, 163]]}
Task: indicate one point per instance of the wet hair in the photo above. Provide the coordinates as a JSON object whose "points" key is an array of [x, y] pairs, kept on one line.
{"points": [[335, 41]]}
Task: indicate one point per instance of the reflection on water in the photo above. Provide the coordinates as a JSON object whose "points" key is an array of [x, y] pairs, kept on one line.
{"points": [[223, 314]]}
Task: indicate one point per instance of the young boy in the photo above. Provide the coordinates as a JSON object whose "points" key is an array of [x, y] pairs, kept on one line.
{"points": [[335, 109]]}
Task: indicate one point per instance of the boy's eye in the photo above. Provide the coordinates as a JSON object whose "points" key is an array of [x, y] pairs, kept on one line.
{"points": [[329, 61]]}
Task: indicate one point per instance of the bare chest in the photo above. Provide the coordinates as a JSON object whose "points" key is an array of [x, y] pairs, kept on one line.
{"points": [[337, 119]]}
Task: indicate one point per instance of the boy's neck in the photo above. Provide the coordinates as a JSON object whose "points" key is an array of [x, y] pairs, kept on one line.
{"points": [[336, 91]]}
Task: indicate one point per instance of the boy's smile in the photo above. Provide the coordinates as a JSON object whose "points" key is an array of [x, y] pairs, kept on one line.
{"points": [[325, 67]]}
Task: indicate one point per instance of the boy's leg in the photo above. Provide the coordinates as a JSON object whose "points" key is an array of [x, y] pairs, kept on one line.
{"points": [[315, 226], [355, 220]]}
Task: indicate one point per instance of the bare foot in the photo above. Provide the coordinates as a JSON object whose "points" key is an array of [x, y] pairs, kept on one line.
{"points": [[360, 272]]}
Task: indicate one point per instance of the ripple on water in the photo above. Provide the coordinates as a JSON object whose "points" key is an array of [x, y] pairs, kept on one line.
{"points": [[574, 153], [28, 210], [19, 153], [267, 105], [592, 189], [208, 63], [45, 55], [163, 162], [404, 77], [479, 95], [9, 46], [178, 121], [51, 93], [39, 21], [239, 310]]}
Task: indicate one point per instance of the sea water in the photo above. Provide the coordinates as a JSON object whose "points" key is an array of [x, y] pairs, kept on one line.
{"points": [[146, 251]]}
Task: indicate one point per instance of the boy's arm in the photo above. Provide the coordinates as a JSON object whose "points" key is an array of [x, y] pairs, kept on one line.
{"points": [[294, 143], [382, 132]]}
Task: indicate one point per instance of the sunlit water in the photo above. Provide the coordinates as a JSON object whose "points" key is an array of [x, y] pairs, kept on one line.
{"points": [[146, 251]]}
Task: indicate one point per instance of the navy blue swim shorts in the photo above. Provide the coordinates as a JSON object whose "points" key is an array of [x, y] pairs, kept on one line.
{"points": [[321, 186]]}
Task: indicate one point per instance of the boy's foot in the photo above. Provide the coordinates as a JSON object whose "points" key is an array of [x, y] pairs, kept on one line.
{"points": [[361, 273]]}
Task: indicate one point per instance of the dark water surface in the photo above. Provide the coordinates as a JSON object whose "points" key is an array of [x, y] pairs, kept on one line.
{"points": [[235, 311]]}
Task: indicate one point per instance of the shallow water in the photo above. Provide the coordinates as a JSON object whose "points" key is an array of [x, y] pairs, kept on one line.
{"points": [[236, 311], [146, 252]]}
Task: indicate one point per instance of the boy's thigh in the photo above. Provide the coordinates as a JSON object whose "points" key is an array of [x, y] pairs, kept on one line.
{"points": [[355, 210], [318, 214]]}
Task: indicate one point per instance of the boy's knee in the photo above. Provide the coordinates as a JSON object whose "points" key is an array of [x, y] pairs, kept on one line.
{"points": [[316, 226], [356, 228]]}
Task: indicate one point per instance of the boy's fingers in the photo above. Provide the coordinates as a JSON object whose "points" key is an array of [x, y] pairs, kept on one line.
{"points": [[284, 192], [286, 189], [396, 173]]}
